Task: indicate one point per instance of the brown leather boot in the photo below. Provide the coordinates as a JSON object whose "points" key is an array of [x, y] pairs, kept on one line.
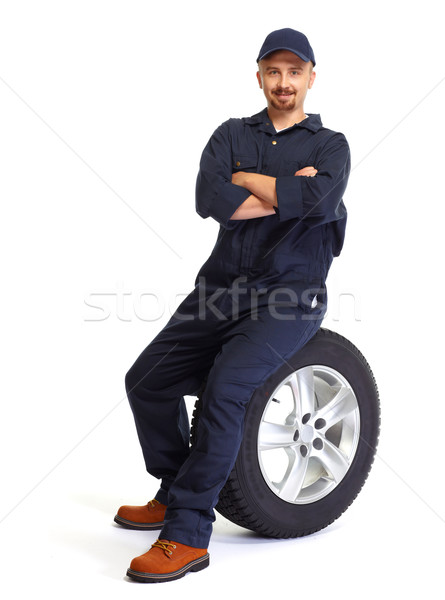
{"points": [[150, 516], [166, 561]]}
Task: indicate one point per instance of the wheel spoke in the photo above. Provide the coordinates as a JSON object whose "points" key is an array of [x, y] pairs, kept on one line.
{"points": [[292, 482], [342, 404], [333, 460], [273, 435], [302, 386]]}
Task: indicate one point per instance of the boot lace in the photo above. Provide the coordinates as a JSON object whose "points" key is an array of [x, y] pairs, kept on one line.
{"points": [[164, 545], [153, 503]]}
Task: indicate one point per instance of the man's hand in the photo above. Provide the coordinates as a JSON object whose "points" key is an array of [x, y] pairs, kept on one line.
{"points": [[238, 178], [306, 172]]}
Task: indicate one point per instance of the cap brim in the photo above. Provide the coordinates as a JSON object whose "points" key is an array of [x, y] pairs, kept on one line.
{"points": [[300, 54]]}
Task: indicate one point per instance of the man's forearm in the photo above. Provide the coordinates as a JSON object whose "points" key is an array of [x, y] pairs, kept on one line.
{"points": [[263, 193], [261, 186], [264, 186], [252, 208]]}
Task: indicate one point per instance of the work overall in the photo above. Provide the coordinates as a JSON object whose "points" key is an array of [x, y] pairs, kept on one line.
{"points": [[258, 299]]}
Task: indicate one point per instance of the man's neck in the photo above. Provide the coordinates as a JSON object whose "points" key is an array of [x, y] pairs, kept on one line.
{"points": [[282, 119]]}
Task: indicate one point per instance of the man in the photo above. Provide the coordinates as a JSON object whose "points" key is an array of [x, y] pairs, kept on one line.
{"points": [[275, 183]]}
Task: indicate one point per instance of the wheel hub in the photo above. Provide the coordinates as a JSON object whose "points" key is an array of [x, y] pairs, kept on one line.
{"points": [[307, 434]]}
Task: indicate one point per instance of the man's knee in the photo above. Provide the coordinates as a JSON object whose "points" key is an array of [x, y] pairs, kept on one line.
{"points": [[131, 379], [139, 375]]}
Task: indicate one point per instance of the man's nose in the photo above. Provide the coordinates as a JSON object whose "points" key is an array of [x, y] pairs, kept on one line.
{"points": [[284, 83]]}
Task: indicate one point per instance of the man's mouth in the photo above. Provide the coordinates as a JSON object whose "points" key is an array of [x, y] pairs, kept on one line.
{"points": [[283, 95]]}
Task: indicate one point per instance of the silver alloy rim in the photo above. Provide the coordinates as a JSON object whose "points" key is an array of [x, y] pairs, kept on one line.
{"points": [[308, 434]]}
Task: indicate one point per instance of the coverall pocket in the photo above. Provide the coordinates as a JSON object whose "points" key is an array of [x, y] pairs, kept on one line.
{"points": [[243, 162]]}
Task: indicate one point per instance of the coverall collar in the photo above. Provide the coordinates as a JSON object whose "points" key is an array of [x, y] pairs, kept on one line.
{"points": [[312, 123]]}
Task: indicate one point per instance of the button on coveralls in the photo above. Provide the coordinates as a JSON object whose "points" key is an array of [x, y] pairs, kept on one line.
{"points": [[258, 299]]}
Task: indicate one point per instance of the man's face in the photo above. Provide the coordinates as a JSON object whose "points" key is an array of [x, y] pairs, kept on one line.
{"points": [[285, 80]]}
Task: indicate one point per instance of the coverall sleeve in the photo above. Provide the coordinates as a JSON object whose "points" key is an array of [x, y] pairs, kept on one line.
{"points": [[318, 197], [216, 195]]}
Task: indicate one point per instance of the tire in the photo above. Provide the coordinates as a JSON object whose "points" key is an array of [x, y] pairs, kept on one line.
{"points": [[310, 437]]}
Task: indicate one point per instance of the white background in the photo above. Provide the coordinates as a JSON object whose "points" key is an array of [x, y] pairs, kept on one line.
{"points": [[105, 109]]}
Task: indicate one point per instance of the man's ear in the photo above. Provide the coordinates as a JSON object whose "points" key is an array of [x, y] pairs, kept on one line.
{"points": [[258, 76], [312, 79]]}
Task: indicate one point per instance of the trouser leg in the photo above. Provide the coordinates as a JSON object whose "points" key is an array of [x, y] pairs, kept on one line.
{"points": [[171, 366], [252, 351]]}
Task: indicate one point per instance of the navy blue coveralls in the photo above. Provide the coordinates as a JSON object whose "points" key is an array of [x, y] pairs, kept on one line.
{"points": [[258, 299]]}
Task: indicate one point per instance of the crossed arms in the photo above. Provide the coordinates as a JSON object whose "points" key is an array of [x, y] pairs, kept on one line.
{"points": [[229, 197], [263, 196]]}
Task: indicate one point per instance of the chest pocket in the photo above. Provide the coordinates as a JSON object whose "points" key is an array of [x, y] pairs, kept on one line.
{"points": [[242, 162]]}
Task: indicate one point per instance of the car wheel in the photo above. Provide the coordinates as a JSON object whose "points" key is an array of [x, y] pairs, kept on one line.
{"points": [[310, 437]]}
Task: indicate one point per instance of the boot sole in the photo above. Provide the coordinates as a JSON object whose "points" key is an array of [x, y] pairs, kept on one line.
{"points": [[135, 525], [196, 565]]}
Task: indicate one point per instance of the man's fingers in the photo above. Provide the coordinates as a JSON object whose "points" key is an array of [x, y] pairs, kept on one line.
{"points": [[307, 172]]}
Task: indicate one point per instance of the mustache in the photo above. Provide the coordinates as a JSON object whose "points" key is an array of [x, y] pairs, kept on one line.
{"points": [[281, 90]]}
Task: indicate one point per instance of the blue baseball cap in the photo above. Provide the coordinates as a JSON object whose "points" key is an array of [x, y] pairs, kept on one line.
{"points": [[287, 39]]}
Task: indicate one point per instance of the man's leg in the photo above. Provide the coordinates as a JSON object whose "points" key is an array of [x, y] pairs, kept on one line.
{"points": [[252, 351], [171, 366]]}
